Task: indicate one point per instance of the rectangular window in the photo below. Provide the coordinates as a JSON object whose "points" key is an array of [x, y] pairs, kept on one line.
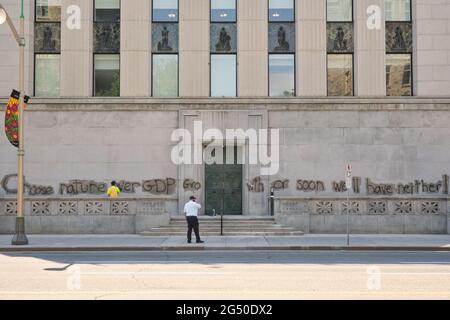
{"points": [[107, 75], [47, 48], [107, 48], [223, 48], [397, 10], [339, 10], [165, 48], [107, 10], [281, 48], [48, 10], [399, 45], [223, 75], [340, 47], [398, 74], [282, 75], [165, 75], [165, 11], [223, 10], [340, 74], [281, 10], [47, 75]]}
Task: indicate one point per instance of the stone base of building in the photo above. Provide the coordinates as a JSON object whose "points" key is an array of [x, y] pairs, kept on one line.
{"points": [[88, 215], [311, 215], [365, 215]]}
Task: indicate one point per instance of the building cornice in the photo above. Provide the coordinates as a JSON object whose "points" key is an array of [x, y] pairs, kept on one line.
{"points": [[246, 104]]}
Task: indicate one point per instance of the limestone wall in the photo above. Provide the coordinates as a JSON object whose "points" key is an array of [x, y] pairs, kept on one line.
{"points": [[398, 150]]}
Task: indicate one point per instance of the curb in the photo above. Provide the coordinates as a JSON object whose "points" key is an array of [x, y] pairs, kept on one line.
{"points": [[218, 248]]}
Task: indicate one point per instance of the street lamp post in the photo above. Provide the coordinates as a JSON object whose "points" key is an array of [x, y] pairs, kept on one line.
{"points": [[20, 237]]}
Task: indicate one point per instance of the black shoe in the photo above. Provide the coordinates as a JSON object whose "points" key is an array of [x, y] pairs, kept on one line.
{"points": [[200, 241], [189, 241]]}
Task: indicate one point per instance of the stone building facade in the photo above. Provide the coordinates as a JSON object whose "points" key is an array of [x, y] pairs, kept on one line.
{"points": [[77, 142]]}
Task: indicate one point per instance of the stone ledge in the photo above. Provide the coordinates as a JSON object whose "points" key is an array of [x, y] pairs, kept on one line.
{"points": [[244, 104]]}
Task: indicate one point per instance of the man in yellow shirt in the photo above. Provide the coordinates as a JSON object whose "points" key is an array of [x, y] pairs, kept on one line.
{"points": [[113, 191]]}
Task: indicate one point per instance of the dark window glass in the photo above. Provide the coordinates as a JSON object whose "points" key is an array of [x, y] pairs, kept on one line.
{"points": [[48, 10], [165, 37], [107, 75], [340, 74], [398, 74], [47, 75], [223, 10], [106, 37], [223, 75], [339, 10], [397, 10], [223, 37], [340, 37], [281, 37], [47, 46], [281, 10], [107, 10], [47, 37], [165, 75], [281, 75], [165, 10], [399, 37]]}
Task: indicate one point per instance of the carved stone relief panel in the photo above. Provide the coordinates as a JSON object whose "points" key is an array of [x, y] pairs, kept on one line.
{"points": [[68, 208], [340, 37], [377, 207], [11, 208], [120, 207], [47, 37], [398, 37], [94, 207], [223, 38], [324, 207], [429, 207], [403, 207], [165, 37], [40, 208], [352, 207], [281, 37], [106, 37]]}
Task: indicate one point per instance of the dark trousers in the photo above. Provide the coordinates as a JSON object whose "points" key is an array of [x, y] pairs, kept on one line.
{"points": [[192, 222]]}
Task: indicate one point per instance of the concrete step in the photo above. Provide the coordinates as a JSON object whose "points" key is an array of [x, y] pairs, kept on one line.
{"points": [[226, 218], [229, 233], [202, 223], [168, 229], [232, 225]]}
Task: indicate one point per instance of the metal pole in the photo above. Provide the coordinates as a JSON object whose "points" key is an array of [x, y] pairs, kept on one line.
{"points": [[221, 223], [20, 237], [272, 202], [348, 185], [348, 223]]}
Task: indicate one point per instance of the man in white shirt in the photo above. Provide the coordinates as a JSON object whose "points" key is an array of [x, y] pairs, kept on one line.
{"points": [[191, 212]]}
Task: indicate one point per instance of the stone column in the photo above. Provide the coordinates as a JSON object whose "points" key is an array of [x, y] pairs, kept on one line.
{"points": [[370, 50], [311, 45], [76, 48], [194, 48], [252, 57], [135, 48], [431, 47], [9, 50]]}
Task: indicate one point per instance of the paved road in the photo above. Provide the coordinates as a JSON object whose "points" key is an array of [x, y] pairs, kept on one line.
{"points": [[225, 275]]}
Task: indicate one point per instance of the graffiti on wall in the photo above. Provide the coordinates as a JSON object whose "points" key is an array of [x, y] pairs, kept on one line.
{"points": [[256, 185]]}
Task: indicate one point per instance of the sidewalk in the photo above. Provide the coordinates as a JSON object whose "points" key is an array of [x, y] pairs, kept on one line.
{"points": [[178, 243]]}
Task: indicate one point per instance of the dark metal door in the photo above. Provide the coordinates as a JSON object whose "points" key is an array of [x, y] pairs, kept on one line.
{"points": [[223, 188]]}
